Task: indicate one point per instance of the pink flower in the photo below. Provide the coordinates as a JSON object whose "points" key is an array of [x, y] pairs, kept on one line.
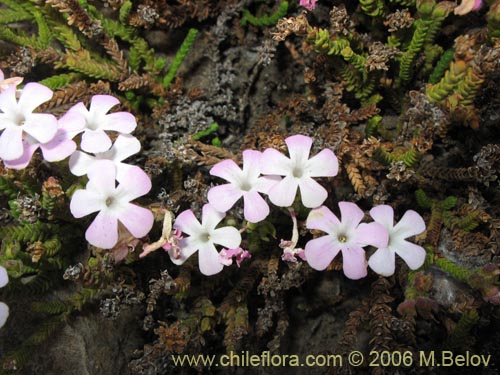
{"points": [[299, 172], [226, 256], [203, 237], [308, 4], [467, 6], [347, 236], [94, 138], [411, 224], [4, 309], [290, 252], [244, 183], [125, 145], [101, 194], [6, 83], [18, 121]]}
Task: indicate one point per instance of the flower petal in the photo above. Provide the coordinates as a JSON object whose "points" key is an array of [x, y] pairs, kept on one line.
{"points": [[208, 259], [11, 143], [383, 261], [125, 145], [8, 101], [186, 222], [4, 277], [299, 147], [410, 224], [350, 214], [80, 163], [32, 95], [24, 160], [223, 197], [228, 237], [323, 164], [283, 193], [274, 162], [135, 183], [138, 220], [228, 170], [323, 219], [103, 232], [59, 148], [265, 183], [413, 255], [255, 208], [188, 247], [354, 263], [72, 122], [85, 202], [251, 163], [101, 104], [383, 214], [95, 141], [4, 313], [122, 122], [211, 217], [374, 234], [312, 194], [102, 179], [41, 126], [319, 252]]}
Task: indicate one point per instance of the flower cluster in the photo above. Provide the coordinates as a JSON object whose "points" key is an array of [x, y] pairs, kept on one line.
{"points": [[272, 174], [24, 131]]}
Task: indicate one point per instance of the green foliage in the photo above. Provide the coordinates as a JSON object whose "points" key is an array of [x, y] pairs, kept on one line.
{"points": [[467, 322], [453, 269], [58, 81], [28, 232], [493, 18], [125, 11], [441, 66], [373, 8], [423, 199], [446, 86], [179, 57], [266, 20], [8, 187], [408, 157]]}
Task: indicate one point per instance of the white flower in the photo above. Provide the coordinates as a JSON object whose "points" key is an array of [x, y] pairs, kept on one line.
{"points": [[4, 309], [411, 224]]}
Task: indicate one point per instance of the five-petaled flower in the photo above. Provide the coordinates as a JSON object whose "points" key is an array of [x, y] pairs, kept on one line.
{"points": [[298, 172], [203, 237], [411, 224], [21, 127], [347, 236], [113, 203], [246, 183], [94, 138], [4, 309]]}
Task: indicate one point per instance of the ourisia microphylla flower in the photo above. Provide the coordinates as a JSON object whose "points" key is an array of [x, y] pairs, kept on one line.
{"points": [[244, 183], [226, 256], [169, 239], [308, 4], [203, 237], [125, 145], [411, 224], [347, 236], [4, 309], [299, 172], [97, 121], [467, 6], [18, 120], [290, 252], [113, 203], [6, 83]]}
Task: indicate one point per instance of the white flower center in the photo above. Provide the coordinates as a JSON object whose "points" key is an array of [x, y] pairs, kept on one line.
{"points": [[297, 172], [19, 119], [342, 238], [245, 186], [110, 201], [205, 237]]}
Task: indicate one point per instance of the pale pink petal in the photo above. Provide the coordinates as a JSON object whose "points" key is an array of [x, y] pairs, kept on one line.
{"points": [[122, 170], [1, 75], [354, 263], [103, 232], [228, 237], [255, 208], [319, 252], [80, 163], [59, 148], [351, 215], [125, 145], [373, 234], [72, 122], [413, 255], [134, 184], [265, 183], [187, 223], [188, 247], [208, 259], [138, 220], [273, 162], [410, 224], [24, 160], [101, 104], [228, 170], [299, 147], [32, 95], [223, 197], [85, 202], [323, 164], [384, 215], [8, 101], [283, 193], [102, 179], [322, 218], [95, 141], [312, 194], [123, 122], [11, 143], [41, 126], [251, 162], [4, 277], [211, 217], [383, 261], [78, 109], [4, 313]]}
